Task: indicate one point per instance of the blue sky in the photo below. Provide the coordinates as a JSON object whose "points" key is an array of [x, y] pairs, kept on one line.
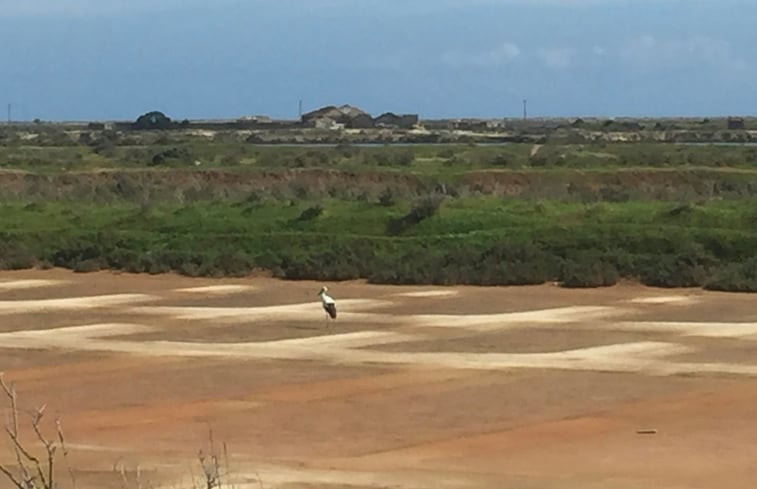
{"points": [[116, 59]]}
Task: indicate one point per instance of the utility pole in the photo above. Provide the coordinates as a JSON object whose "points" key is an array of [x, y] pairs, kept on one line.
{"points": [[525, 109]]}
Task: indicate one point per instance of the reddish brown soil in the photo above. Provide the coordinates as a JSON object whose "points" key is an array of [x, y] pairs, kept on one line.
{"points": [[305, 422]]}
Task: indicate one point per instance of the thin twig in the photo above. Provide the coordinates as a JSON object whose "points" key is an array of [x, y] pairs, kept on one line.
{"points": [[124, 478], [62, 441], [10, 391], [10, 476], [214, 458], [226, 461], [49, 448]]}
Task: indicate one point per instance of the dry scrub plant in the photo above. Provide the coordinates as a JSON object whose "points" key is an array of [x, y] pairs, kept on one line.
{"points": [[38, 472], [31, 471]]}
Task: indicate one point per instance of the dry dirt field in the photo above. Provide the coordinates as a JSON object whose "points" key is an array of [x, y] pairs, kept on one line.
{"points": [[412, 387]]}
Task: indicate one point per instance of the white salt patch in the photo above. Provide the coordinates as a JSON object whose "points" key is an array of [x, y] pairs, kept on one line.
{"points": [[668, 299], [712, 330], [429, 293], [217, 289], [291, 312], [27, 284], [72, 304]]}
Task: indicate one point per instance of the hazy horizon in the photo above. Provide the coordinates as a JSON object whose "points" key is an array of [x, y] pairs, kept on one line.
{"points": [[69, 60]]}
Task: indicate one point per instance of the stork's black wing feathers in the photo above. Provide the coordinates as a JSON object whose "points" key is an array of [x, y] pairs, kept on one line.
{"points": [[331, 309]]}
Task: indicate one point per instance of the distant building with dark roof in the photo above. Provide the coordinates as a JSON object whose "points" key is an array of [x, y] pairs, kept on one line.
{"points": [[735, 123], [389, 119], [345, 115]]}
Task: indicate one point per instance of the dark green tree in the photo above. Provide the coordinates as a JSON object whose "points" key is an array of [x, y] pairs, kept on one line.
{"points": [[153, 120]]}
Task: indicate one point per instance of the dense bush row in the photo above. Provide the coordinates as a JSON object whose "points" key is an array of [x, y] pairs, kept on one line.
{"points": [[666, 261], [434, 240]]}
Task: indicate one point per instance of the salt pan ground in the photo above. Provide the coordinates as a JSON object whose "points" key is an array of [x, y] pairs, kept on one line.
{"points": [[411, 387]]}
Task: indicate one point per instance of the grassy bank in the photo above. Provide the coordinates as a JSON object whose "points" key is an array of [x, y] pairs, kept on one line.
{"points": [[111, 151], [484, 241], [581, 214]]}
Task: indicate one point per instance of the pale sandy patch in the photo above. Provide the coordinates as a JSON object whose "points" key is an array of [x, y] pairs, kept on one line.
{"points": [[647, 357], [73, 303], [347, 340], [713, 330], [291, 312], [340, 349], [629, 357], [485, 322], [71, 337], [84, 447], [691, 368], [291, 477], [429, 293], [667, 299], [218, 289], [27, 284]]}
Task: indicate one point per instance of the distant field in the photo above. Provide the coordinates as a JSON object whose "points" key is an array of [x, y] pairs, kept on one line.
{"points": [[578, 214]]}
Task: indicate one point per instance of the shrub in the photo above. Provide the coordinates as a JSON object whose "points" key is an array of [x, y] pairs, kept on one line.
{"points": [[673, 271], [311, 213], [502, 160], [16, 257], [386, 199], [422, 210], [735, 277], [589, 273], [87, 266], [172, 155]]}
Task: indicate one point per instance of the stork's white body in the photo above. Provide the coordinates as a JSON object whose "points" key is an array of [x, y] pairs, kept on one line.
{"points": [[326, 299], [329, 305]]}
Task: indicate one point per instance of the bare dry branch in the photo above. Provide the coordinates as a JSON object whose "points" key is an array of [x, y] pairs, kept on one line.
{"points": [[62, 440], [124, 479], [10, 392], [226, 462], [10, 476], [49, 448], [27, 462]]}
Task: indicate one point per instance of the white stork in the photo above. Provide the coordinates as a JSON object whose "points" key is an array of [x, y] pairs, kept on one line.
{"points": [[328, 304]]}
